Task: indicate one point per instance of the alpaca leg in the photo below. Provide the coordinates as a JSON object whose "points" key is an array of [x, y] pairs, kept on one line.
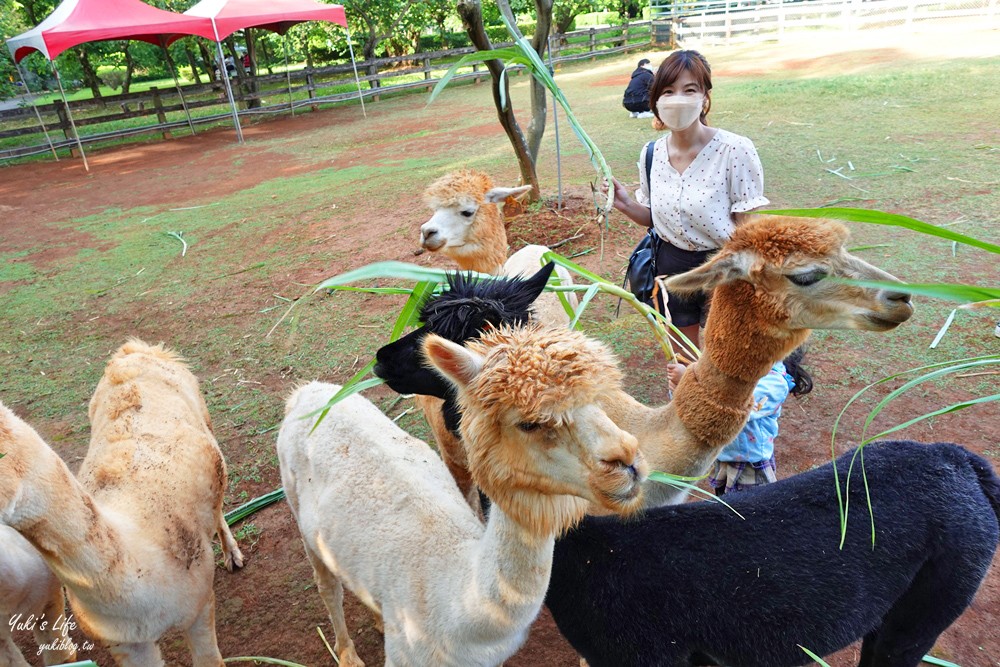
{"points": [[9, 653], [136, 655], [201, 638], [331, 591], [938, 594], [230, 549], [55, 608]]}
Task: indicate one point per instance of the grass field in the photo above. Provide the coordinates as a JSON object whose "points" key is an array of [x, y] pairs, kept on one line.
{"points": [[87, 260]]}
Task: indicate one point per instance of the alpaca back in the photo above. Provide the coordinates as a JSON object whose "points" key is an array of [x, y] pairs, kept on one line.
{"points": [[547, 309], [357, 447], [613, 580]]}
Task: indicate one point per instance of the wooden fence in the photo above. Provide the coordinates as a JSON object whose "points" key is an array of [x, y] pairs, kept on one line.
{"points": [[120, 116], [691, 23]]}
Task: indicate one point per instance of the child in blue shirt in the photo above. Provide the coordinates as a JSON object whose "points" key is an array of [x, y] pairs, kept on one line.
{"points": [[748, 461]]}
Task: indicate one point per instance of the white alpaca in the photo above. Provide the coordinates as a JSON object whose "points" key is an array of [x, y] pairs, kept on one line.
{"points": [[28, 589], [378, 510], [131, 537]]}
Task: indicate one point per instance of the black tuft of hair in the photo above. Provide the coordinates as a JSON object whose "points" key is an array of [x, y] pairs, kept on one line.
{"points": [[802, 377]]}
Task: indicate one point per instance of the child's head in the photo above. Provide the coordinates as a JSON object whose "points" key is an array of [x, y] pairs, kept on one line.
{"points": [[793, 366]]}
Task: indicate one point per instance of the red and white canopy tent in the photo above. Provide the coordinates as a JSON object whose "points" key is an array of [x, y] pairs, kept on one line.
{"points": [[228, 16], [74, 22]]}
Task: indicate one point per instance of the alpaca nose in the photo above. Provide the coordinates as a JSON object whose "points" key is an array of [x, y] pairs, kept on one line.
{"points": [[896, 295]]}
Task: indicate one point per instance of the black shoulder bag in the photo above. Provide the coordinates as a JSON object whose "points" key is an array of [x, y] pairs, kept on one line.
{"points": [[641, 269]]}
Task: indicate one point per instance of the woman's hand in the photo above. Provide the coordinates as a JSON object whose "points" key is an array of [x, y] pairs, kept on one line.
{"points": [[623, 201]]}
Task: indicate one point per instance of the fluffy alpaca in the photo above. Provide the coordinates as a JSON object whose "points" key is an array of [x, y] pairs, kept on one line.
{"points": [[660, 591], [28, 588], [468, 308], [467, 226], [769, 291], [131, 536], [379, 511]]}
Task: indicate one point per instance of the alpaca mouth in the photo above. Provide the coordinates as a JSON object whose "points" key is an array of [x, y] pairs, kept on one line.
{"points": [[432, 244], [885, 324]]}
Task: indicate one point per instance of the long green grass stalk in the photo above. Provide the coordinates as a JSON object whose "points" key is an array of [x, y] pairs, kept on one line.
{"points": [[254, 506]]}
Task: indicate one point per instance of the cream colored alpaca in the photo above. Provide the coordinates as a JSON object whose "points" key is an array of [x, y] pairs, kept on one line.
{"points": [[379, 511], [29, 589], [131, 536], [467, 226], [771, 288]]}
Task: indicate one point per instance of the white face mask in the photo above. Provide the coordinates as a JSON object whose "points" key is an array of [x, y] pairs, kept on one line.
{"points": [[678, 112]]}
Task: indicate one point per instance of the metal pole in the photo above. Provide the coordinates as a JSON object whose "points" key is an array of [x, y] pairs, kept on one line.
{"points": [[288, 76], [555, 125], [355, 66], [69, 114], [177, 84], [224, 73], [37, 114]]}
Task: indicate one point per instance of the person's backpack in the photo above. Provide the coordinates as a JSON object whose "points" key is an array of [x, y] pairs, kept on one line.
{"points": [[641, 269]]}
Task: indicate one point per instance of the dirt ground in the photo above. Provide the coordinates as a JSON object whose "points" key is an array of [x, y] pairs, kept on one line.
{"points": [[271, 608]]}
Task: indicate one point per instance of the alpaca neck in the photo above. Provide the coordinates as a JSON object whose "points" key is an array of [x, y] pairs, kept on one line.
{"points": [[715, 396], [488, 253], [744, 337], [59, 518], [511, 570]]}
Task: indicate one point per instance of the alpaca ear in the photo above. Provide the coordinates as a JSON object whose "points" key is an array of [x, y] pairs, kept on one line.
{"points": [[721, 269], [535, 285], [499, 195], [457, 364]]}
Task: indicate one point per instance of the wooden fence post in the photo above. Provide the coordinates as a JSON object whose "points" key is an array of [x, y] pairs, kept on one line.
{"points": [[475, 72], [624, 41], [311, 89], [66, 126], [427, 73], [593, 46], [161, 117], [376, 82]]}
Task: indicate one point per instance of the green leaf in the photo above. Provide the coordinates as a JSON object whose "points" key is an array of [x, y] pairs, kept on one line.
{"points": [[410, 314], [503, 89], [941, 411], [587, 298], [812, 655], [353, 386], [677, 481], [255, 505], [882, 218], [400, 270], [951, 292]]}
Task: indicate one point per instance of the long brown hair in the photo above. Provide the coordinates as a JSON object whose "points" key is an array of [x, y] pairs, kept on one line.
{"points": [[670, 69]]}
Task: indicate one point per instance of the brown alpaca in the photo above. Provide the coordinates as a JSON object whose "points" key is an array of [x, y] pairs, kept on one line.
{"points": [[130, 537], [769, 290], [468, 227], [451, 591]]}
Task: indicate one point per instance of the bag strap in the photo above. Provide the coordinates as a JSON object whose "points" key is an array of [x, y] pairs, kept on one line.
{"points": [[649, 170]]}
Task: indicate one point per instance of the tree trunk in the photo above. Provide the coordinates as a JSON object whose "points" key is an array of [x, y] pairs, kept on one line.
{"points": [[539, 94], [471, 12], [252, 85], [89, 75], [309, 56], [193, 63], [129, 69], [208, 60]]}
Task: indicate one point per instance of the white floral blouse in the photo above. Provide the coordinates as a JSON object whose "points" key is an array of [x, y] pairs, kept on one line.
{"points": [[693, 210]]}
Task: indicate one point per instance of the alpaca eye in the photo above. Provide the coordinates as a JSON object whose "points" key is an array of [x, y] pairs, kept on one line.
{"points": [[468, 214], [528, 427], [807, 279]]}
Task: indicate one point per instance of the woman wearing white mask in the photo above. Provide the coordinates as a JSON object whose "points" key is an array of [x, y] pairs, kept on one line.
{"points": [[704, 180]]}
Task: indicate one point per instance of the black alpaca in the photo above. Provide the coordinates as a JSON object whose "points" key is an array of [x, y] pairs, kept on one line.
{"points": [[694, 584], [469, 307]]}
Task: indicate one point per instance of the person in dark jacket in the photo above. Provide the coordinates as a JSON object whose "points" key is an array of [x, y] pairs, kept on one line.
{"points": [[636, 98]]}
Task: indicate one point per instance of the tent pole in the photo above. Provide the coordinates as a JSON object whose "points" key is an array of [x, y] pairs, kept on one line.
{"points": [[288, 76], [224, 73], [37, 114], [355, 66], [177, 84], [69, 114]]}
